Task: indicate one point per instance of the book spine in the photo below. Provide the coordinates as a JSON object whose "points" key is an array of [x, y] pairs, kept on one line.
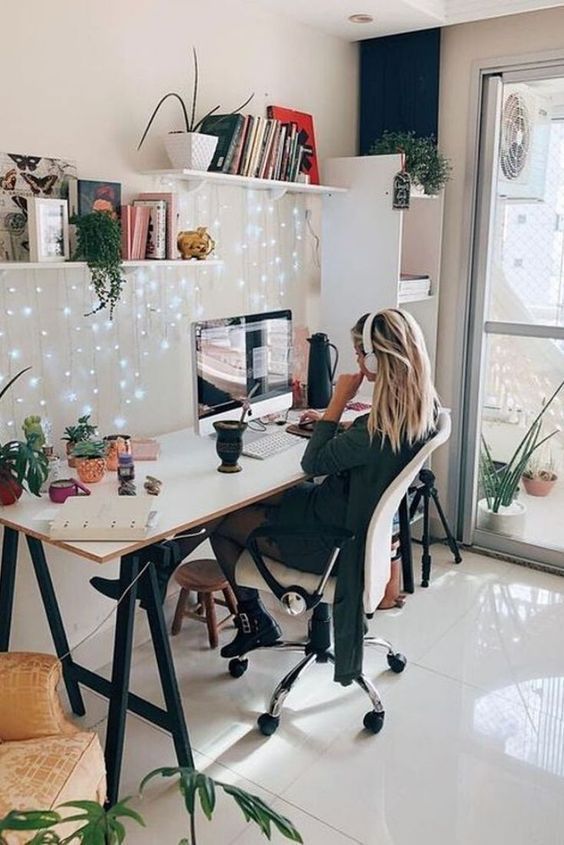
{"points": [[257, 145], [265, 169], [234, 143], [236, 163], [265, 143], [156, 238], [281, 145], [126, 232], [253, 122]]}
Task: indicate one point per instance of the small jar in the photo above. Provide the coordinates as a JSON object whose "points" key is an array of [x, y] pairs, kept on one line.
{"points": [[53, 468], [126, 467]]}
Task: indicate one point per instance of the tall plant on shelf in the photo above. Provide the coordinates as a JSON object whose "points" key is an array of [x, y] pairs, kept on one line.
{"points": [[98, 237], [500, 484], [183, 148], [105, 827], [23, 463]]}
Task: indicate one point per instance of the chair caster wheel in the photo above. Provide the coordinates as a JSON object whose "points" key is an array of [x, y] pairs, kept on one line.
{"points": [[268, 724], [397, 662], [374, 722], [424, 583], [238, 667]]}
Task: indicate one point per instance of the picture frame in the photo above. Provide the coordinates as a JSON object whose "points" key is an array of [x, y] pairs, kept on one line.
{"points": [[48, 221]]}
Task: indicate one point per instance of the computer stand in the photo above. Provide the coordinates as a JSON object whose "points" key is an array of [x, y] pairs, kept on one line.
{"points": [[427, 491]]}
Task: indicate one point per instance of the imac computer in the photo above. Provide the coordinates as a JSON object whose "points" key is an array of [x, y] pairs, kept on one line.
{"points": [[236, 357]]}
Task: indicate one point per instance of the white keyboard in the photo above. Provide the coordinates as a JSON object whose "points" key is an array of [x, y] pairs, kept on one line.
{"points": [[270, 444]]}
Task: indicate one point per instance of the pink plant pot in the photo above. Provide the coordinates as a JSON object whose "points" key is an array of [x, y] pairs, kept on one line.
{"points": [[537, 486]]}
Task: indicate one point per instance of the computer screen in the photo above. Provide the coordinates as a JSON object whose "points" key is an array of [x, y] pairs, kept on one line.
{"points": [[238, 356]]}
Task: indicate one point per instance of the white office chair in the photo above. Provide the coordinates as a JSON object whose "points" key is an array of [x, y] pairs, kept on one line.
{"points": [[299, 591]]}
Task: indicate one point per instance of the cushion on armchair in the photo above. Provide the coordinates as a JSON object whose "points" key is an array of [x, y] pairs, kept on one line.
{"points": [[29, 704]]}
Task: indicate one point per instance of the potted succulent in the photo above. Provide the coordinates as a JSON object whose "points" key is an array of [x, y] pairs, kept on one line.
{"points": [[429, 169], [98, 242], [23, 463], [105, 827], [540, 476], [90, 460], [83, 430], [499, 510], [189, 148]]}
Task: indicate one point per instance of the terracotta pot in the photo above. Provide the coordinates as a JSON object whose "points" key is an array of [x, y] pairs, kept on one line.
{"points": [[70, 459], [90, 470], [10, 490], [538, 486], [117, 444]]}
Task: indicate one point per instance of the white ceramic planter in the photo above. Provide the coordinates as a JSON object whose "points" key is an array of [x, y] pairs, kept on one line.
{"points": [[190, 150], [509, 520]]}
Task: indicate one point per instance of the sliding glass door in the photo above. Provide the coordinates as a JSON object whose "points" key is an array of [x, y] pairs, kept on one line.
{"points": [[513, 500]]}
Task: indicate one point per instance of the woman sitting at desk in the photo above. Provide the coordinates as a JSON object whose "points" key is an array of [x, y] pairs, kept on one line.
{"points": [[359, 464]]}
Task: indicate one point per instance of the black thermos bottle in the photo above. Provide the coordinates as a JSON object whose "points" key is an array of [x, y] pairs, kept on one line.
{"points": [[320, 371]]}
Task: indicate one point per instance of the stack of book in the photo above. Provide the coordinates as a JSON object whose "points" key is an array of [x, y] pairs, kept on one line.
{"points": [[261, 147], [413, 287], [149, 227]]}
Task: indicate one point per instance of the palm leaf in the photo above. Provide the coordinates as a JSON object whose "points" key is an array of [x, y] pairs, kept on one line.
{"points": [[12, 380]]}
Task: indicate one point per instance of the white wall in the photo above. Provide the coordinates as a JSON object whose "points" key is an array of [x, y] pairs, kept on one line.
{"points": [[80, 81], [463, 45]]}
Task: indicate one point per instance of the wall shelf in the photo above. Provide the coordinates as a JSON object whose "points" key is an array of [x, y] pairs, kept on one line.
{"points": [[198, 178], [77, 265], [415, 297]]}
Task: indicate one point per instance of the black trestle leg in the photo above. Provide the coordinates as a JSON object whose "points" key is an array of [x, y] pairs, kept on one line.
{"points": [[7, 584], [167, 674], [55, 622], [121, 668]]}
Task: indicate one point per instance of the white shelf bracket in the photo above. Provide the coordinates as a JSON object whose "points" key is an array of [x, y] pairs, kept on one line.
{"points": [[276, 194]]}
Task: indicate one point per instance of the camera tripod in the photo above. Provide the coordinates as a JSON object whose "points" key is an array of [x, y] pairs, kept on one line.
{"points": [[424, 489]]}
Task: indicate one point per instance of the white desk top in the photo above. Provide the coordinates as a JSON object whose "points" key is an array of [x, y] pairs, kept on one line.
{"points": [[193, 492]]}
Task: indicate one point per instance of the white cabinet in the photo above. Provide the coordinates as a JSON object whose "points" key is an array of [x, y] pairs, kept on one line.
{"points": [[367, 245]]}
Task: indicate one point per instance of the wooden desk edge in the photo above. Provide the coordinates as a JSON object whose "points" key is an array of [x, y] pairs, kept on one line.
{"points": [[156, 538]]}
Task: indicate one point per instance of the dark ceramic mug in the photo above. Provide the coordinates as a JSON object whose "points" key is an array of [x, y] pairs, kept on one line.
{"points": [[229, 444], [62, 488]]}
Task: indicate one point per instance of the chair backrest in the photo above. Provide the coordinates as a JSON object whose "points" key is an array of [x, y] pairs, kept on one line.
{"points": [[379, 535]]}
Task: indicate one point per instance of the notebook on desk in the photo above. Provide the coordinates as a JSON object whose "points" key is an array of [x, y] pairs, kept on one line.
{"points": [[109, 519]]}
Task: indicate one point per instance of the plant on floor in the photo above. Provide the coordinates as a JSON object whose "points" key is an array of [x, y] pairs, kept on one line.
{"points": [[22, 462], [500, 485], [427, 167], [191, 123], [98, 238], [105, 827]]}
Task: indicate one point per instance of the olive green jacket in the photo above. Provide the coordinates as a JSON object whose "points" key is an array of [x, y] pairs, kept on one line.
{"points": [[370, 466]]}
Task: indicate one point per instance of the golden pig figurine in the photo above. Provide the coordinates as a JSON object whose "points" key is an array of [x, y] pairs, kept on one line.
{"points": [[196, 244]]}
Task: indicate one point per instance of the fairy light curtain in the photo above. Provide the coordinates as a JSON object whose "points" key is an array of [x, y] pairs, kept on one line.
{"points": [[134, 374]]}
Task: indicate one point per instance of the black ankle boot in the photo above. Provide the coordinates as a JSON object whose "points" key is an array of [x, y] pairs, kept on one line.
{"points": [[166, 556], [255, 628]]}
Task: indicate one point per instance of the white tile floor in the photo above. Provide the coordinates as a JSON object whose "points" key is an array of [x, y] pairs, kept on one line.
{"points": [[472, 751]]}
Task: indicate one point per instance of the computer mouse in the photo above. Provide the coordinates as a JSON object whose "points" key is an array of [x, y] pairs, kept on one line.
{"points": [[307, 425]]}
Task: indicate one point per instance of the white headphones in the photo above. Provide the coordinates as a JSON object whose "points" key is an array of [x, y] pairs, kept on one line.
{"points": [[370, 360]]}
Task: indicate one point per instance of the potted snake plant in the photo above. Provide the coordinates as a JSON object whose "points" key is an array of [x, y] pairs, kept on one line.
{"points": [[23, 463]]}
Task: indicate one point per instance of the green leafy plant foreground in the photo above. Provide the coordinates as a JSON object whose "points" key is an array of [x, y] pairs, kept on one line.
{"points": [[98, 238], [427, 167], [500, 484], [99, 826], [22, 463]]}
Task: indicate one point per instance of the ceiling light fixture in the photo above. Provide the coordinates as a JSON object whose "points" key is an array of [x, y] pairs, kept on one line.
{"points": [[361, 18]]}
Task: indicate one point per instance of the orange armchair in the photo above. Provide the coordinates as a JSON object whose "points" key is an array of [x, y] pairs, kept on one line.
{"points": [[45, 759]]}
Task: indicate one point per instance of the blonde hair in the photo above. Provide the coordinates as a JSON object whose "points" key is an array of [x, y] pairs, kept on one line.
{"points": [[404, 400]]}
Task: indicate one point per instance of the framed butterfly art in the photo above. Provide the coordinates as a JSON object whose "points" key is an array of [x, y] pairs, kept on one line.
{"points": [[22, 178]]}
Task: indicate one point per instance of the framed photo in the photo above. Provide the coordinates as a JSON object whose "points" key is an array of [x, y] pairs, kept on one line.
{"points": [[48, 229]]}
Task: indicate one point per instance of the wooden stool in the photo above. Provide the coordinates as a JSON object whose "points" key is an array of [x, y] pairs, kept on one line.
{"points": [[203, 577]]}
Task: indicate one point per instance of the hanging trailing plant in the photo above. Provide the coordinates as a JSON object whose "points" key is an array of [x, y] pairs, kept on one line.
{"points": [[98, 237], [426, 165]]}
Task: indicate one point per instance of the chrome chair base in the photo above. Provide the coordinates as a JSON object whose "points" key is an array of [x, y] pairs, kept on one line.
{"points": [[317, 650]]}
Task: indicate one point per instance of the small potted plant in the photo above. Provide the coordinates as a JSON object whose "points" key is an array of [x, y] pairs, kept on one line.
{"points": [[22, 463], [540, 476], [83, 430], [499, 510], [428, 168], [90, 457], [189, 148]]}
